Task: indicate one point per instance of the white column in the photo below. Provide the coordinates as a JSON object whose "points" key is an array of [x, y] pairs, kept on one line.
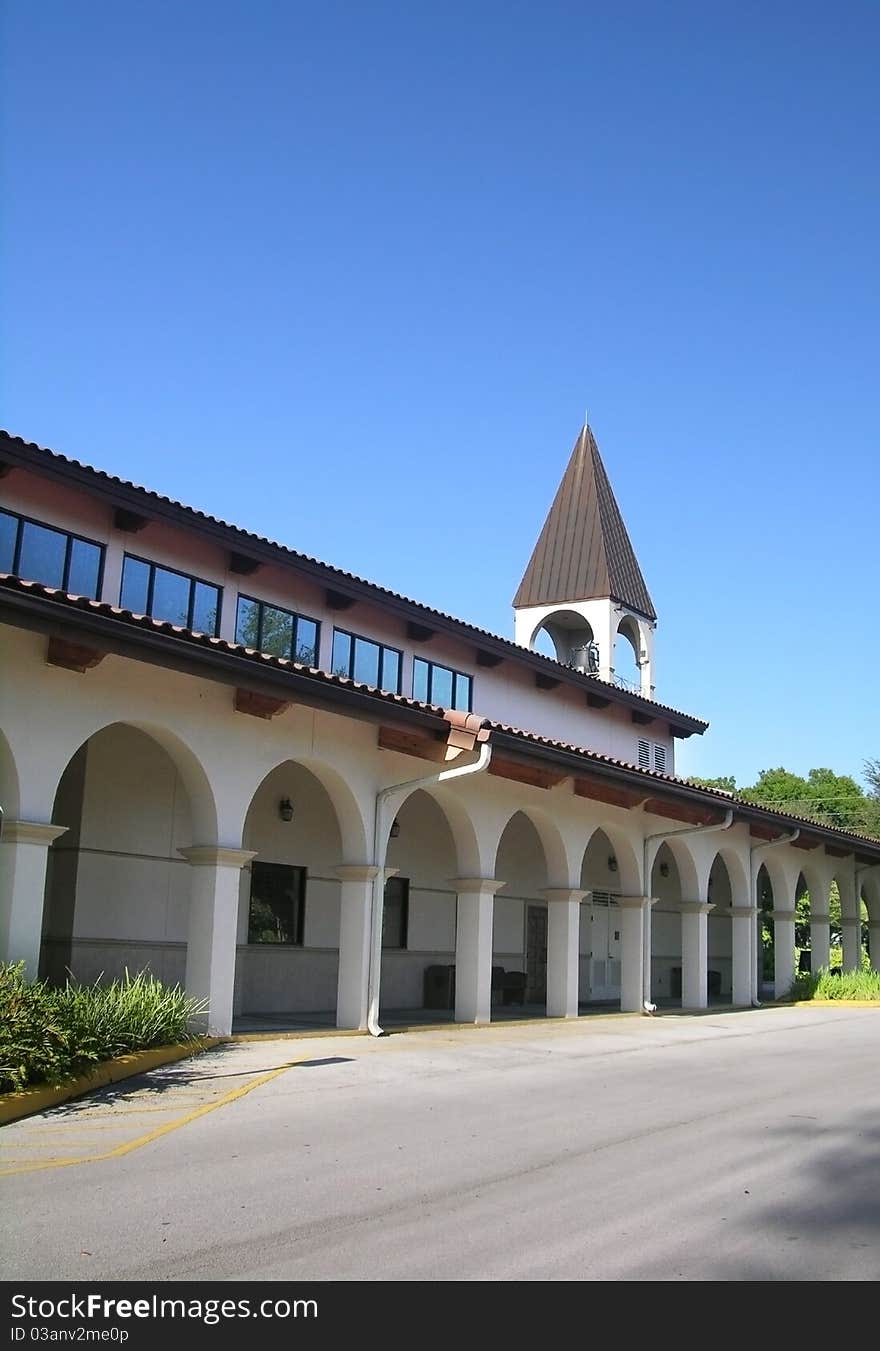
{"points": [[473, 948], [744, 950], [851, 928], [874, 943], [563, 943], [24, 853], [820, 940], [633, 913], [783, 952], [850, 922], [213, 926], [352, 987], [694, 954]]}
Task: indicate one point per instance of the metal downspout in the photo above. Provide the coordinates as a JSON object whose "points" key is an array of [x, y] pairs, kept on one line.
{"points": [[380, 845]]}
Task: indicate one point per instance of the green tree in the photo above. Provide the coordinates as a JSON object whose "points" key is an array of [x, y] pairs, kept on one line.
{"points": [[836, 799], [726, 783]]}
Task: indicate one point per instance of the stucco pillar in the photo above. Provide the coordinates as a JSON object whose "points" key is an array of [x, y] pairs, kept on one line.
{"points": [[820, 940], [352, 987], [744, 953], [212, 932], [634, 914], [783, 951], [24, 853], [563, 944], [694, 954], [850, 922], [874, 943], [851, 932], [473, 948]]}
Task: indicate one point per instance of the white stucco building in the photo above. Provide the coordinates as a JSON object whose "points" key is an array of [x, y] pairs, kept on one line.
{"points": [[303, 795]]}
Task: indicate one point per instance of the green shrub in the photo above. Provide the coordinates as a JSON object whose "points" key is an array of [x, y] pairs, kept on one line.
{"points": [[47, 1036], [837, 984]]}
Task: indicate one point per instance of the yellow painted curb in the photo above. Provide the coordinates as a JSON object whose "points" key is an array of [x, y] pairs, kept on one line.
{"points": [[498, 1024], [128, 1146], [836, 1003], [13, 1106]]}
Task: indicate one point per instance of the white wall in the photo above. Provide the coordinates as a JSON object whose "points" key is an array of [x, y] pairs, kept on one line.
{"points": [[506, 693]]}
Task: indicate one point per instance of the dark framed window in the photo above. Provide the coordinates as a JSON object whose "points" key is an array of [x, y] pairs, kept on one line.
{"points": [[395, 915], [266, 628], [435, 684], [164, 593], [277, 904], [362, 659], [54, 557]]}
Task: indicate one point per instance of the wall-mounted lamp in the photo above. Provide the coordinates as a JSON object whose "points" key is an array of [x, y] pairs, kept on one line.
{"points": [[664, 869], [612, 863], [395, 829], [285, 809]]}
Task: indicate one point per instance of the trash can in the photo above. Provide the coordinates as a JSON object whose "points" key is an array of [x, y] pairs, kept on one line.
{"points": [[439, 991]]}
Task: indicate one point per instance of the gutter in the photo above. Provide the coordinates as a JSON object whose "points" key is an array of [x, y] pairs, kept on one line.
{"points": [[466, 732]]}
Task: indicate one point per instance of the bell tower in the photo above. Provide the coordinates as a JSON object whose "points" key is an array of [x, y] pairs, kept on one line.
{"points": [[583, 585]]}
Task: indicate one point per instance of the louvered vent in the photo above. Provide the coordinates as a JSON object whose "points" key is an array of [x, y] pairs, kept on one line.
{"points": [[660, 758], [644, 755]]}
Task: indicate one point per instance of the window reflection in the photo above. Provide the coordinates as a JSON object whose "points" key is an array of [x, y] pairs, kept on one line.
{"points": [[366, 661], [164, 593], [49, 556], [42, 554], [435, 684]]}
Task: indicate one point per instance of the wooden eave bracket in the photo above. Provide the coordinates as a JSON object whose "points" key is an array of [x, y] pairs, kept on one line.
{"points": [[242, 564], [485, 658], [465, 731], [597, 700], [546, 682], [5, 468], [338, 600], [420, 744], [420, 633], [690, 813], [72, 656], [131, 522], [643, 719], [602, 791], [259, 705], [523, 773]]}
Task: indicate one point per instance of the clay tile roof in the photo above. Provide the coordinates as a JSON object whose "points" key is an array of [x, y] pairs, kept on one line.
{"points": [[584, 551]]}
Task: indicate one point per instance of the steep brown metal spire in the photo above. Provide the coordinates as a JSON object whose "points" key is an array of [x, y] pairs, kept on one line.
{"points": [[584, 551]]}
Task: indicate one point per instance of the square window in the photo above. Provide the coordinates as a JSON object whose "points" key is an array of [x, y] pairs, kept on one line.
{"points": [[135, 585], [171, 597], [8, 536], [306, 642], [247, 623], [206, 607], [395, 915], [85, 568], [277, 904], [277, 632], [420, 680], [43, 553]]}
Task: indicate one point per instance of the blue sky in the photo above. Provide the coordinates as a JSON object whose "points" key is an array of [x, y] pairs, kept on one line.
{"points": [[348, 274]]}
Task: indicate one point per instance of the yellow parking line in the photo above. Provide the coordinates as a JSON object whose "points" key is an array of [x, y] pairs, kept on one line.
{"points": [[131, 1145]]}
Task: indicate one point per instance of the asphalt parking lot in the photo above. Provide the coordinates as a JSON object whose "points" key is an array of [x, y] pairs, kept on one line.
{"points": [[728, 1146]]}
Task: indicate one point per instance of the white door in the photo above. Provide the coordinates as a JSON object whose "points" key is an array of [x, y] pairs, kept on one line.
{"points": [[605, 964]]}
